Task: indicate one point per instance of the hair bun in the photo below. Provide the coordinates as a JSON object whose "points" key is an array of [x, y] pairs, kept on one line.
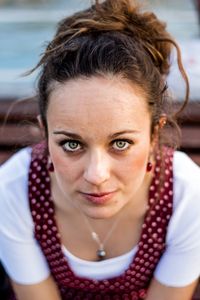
{"points": [[125, 16]]}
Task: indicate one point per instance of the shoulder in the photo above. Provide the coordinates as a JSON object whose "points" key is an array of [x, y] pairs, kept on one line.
{"points": [[16, 166], [14, 173], [186, 193], [19, 251], [186, 180], [14, 192], [185, 169], [180, 263]]}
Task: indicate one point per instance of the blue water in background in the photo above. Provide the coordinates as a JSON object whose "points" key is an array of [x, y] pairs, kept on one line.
{"points": [[25, 29], [22, 40], [21, 49]]}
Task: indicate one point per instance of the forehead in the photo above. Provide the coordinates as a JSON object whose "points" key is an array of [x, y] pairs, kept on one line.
{"points": [[97, 102]]}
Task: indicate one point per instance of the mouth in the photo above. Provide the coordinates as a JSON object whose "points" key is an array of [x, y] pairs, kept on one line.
{"points": [[98, 198]]}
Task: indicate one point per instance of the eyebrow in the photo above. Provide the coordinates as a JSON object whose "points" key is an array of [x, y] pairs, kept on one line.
{"points": [[77, 136], [123, 132], [69, 134]]}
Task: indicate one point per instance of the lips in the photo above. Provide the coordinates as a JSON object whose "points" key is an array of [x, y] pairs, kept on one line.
{"points": [[99, 198]]}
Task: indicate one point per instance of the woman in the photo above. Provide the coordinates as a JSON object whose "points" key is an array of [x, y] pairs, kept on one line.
{"points": [[103, 208]]}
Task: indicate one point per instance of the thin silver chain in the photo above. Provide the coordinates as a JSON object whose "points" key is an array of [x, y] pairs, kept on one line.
{"points": [[95, 236]]}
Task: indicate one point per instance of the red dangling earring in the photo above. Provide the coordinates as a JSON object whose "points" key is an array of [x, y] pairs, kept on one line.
{"points": [[149, 166], [50, 166]]}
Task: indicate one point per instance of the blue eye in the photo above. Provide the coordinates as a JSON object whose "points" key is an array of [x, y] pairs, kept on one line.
{"points": [[71, 146], [121, 145]]}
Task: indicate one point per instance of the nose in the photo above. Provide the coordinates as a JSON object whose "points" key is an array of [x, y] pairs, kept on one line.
{"points": [[97, 169]]}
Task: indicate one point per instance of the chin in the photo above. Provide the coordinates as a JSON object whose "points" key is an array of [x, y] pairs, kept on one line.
{"points": [[100, 212]]}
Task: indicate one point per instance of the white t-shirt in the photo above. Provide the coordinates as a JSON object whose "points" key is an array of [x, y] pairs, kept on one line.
{"points": [[25, 263]]}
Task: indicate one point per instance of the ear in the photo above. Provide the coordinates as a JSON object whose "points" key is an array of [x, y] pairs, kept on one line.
{"points": [[155, 137], [41, 125], [160, 125], [162, 121]]}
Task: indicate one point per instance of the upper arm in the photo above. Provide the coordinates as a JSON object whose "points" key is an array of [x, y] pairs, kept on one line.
{"points": [[180, 263], [46, 289], [20, 253], [177, 272], [158, 291]]}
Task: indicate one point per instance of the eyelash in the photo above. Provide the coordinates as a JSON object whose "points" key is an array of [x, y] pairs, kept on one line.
{"points": [[62, 143], [81, 145], [129, 142]]}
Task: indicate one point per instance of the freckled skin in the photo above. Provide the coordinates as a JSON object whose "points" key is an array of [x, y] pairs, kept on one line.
{"points": [[95, 109]]}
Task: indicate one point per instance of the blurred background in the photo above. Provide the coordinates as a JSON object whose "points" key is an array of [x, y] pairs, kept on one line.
{"points": [[26, 26]]}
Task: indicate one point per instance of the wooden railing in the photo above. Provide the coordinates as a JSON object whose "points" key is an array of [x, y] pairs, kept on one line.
{"points": [[18, 127]]}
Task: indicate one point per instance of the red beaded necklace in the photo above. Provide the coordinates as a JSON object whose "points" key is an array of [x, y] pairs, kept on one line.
{"points": [[135, 281]]}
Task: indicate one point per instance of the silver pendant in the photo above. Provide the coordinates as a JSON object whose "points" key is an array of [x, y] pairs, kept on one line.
{"points": [[101, 253]]}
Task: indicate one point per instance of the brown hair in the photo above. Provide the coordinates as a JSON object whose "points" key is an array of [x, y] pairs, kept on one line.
{"points": [[115, 37]]}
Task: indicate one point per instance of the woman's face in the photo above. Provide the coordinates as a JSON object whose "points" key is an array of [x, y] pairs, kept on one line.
{"points": [[99, 143]]}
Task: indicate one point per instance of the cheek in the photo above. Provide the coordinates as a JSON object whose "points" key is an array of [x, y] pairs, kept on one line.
{"points": [[64, 170], [135, 166], [139, 161]]}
